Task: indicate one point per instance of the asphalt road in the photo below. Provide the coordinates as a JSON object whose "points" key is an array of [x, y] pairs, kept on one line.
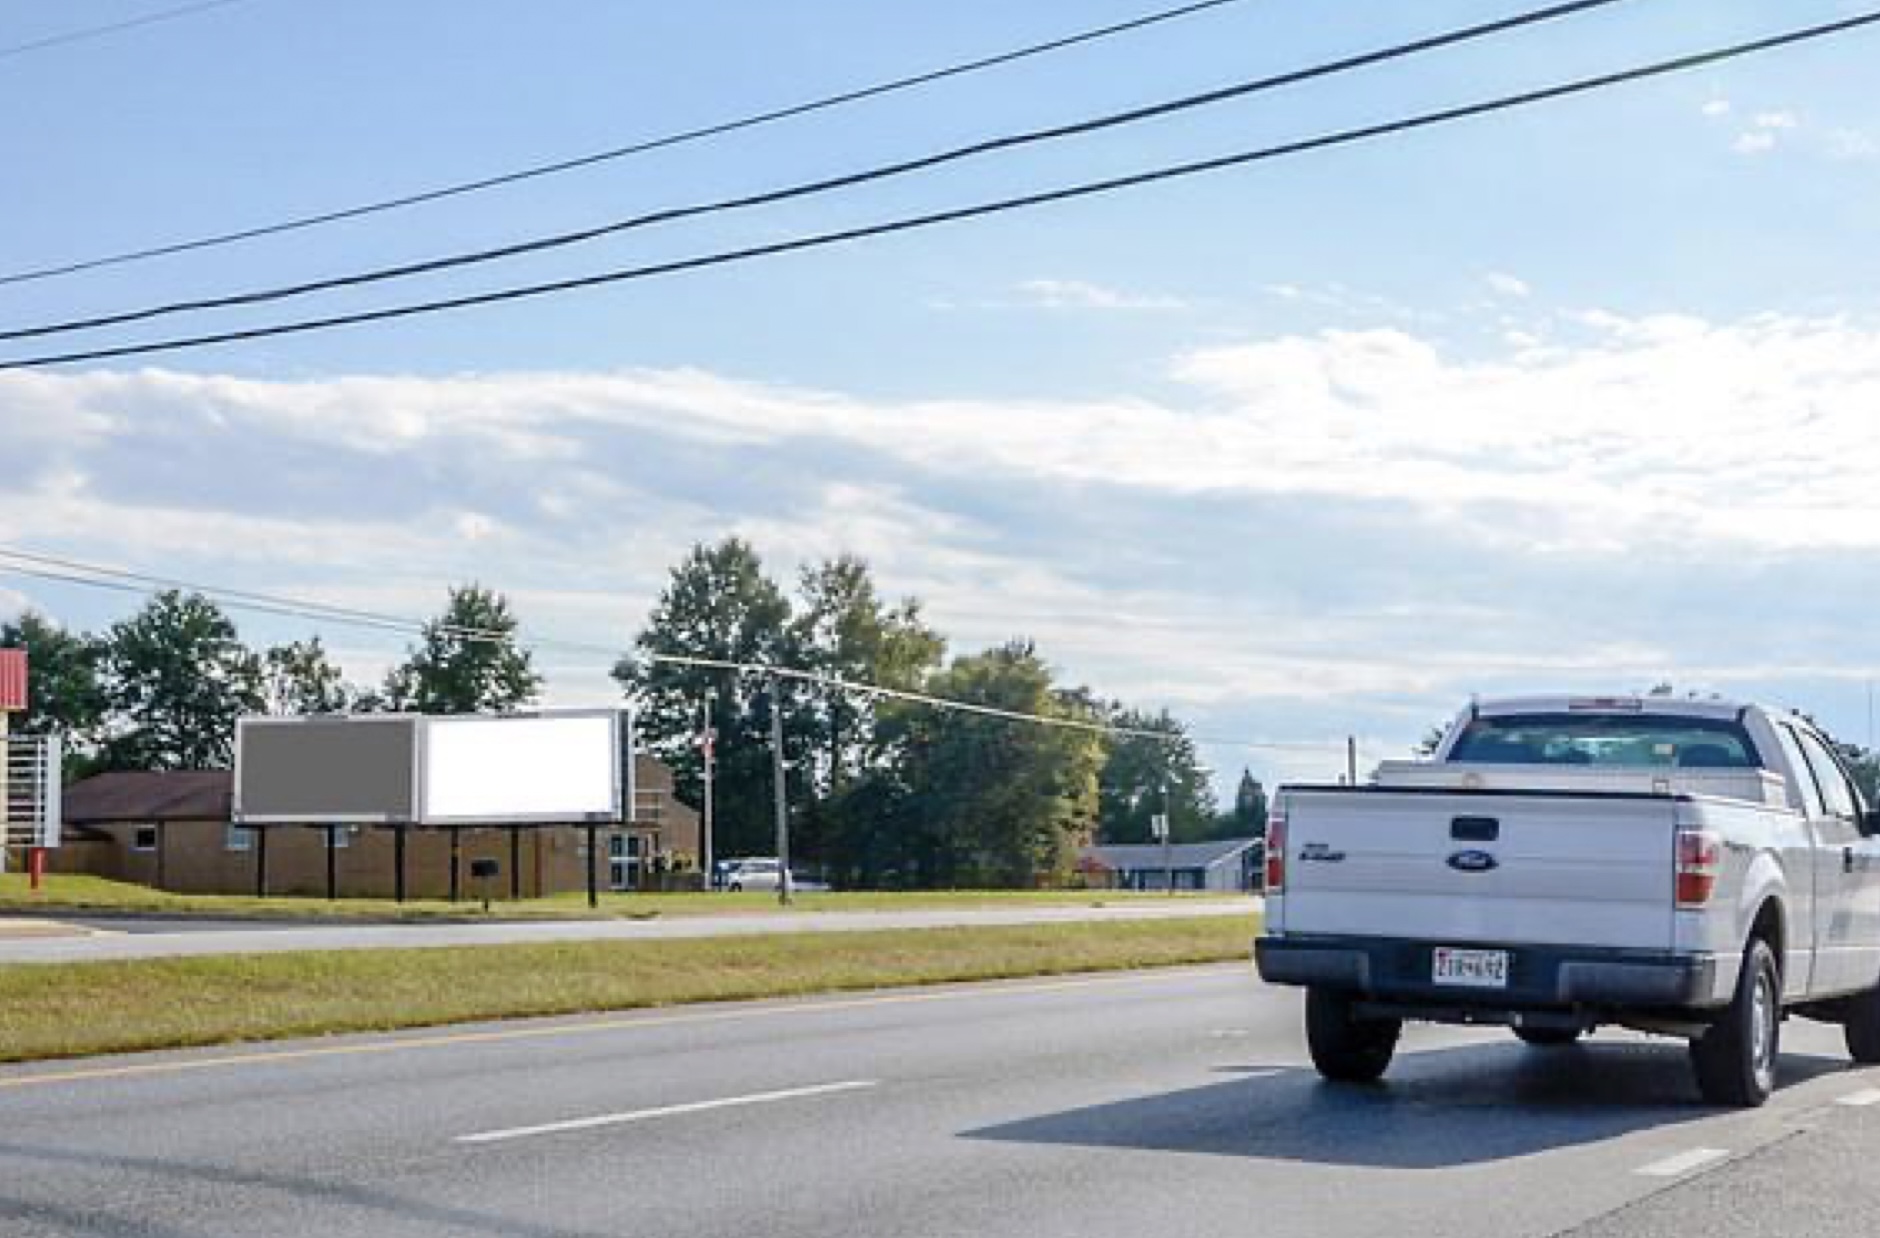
{"points": [[1170, 1103], [148, 939]]}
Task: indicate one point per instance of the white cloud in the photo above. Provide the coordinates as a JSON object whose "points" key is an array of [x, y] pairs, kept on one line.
{"points": [[1717, 107], [1297, 524], [1754, 142], [1775, 120], [1852, 144], [1080, 295], [1504, 285]]}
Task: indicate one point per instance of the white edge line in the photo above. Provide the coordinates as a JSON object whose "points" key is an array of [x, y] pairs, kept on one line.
{"points": [[1682, 1163], [664, 1111]]}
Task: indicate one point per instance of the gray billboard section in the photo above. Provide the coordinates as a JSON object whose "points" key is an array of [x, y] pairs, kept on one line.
{"points": [[322, 771]]}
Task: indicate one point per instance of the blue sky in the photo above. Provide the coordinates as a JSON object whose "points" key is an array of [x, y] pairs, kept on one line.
{"points": [[1578, 396]]}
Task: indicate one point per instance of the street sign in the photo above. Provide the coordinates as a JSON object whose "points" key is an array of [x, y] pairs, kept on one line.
{"points": [[1158, 825]]}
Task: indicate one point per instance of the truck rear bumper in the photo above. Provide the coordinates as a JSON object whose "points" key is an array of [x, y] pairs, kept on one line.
{"points": [[1539, 977]]}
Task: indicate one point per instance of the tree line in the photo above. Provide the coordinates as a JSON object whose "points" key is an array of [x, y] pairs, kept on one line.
{"points": [[881, 792]]}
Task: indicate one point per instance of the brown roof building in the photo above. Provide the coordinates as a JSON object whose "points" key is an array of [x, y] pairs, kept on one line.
{"points": [[173, 830]]}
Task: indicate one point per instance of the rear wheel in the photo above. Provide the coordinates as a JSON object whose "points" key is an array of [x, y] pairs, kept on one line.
{"points": [[1547, 1037], [1346, 1048], [1736, 1059], [1862, 1028]]}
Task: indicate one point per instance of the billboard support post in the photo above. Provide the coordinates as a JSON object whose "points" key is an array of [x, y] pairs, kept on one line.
{"points": [[398, 862], [515, 863], [332, 863], [593, 882], [261, 863], [456, 863]]}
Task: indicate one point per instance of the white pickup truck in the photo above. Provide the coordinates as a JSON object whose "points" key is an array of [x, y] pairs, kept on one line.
{"points": [[1693, 869]]}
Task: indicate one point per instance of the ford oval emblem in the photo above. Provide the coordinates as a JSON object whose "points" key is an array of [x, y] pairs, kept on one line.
{"points": [[1473, 862]]}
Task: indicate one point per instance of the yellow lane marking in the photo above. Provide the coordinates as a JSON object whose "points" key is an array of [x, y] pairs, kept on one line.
{"points": [[452, 1039]]}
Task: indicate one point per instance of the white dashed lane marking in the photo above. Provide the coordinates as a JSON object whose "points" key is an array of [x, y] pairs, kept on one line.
{"points": [[1683, 1163], [664, 1111]]}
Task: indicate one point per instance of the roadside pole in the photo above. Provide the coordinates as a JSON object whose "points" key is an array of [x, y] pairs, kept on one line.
{"points": [[1351, 759], [1158, 824], [782, 804], [708, 742]]}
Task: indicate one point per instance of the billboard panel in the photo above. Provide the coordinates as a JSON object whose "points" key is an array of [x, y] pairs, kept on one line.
{"points": [[327, 770], [560, 767]]}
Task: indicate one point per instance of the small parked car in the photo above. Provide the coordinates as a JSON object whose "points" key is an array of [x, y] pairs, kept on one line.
{"points": [[764, 873]]}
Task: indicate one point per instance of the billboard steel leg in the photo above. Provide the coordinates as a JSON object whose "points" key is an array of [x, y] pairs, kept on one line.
{"points": [[515, 863], [594, 885], [456, 864], [332, 863], [398, 863], [261, 863]]}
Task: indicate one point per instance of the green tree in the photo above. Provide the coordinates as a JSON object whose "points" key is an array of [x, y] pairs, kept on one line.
{"points": [[843, 630], [298, 678], [1144, 777], [176, 677], [978, 800], [467, 660], [719, 605], [1249, 817], [65, 693]]}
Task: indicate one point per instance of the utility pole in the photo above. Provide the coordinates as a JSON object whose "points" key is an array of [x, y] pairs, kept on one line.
{"points": [[1351, 759], [782, 804], [1160, 824], [708, 744]]}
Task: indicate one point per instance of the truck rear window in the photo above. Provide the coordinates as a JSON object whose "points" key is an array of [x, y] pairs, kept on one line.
{"points": [[1606, 739]]}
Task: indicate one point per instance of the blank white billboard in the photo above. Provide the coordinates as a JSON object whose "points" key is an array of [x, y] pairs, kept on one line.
{"points": [[552, 768]]}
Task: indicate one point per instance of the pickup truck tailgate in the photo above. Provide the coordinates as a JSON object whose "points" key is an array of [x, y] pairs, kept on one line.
{"points": [[1459, 866]]}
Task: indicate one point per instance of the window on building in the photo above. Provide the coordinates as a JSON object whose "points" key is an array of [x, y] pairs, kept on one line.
{"points": [[238, 839], [144, 838]]}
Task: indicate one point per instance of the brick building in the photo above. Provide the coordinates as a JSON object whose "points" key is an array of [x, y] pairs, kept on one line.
{"points": [[172, 830]]}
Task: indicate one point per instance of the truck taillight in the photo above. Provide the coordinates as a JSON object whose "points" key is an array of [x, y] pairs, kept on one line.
{"points": [[1700, 859], [1275, 848]]}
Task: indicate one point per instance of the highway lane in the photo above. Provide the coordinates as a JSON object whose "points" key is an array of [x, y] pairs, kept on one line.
{"points": [[1167, 1103], [107, 938]]}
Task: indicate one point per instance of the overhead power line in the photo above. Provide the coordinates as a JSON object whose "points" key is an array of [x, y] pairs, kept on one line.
{"points": [[93, 575], [640, 147], [995, 207], [94, 32], [1237, 90]]}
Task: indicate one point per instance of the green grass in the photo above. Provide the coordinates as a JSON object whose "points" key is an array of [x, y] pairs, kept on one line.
{"points": [[80, 894], [74, 1009]]}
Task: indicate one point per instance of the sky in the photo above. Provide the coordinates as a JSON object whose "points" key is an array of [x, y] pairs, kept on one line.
{"points": [[1580, 397]]}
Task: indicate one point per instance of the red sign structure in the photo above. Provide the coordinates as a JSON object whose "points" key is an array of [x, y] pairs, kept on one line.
{"points": [[12, 680]]}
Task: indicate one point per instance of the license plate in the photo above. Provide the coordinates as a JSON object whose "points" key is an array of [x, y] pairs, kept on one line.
{"points": [[1475, 969]]}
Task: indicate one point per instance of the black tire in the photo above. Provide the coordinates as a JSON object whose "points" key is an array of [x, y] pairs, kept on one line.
{"points": [[1547, 1037], [1736, 1059], [1345, 1048], [1862, 1028]]}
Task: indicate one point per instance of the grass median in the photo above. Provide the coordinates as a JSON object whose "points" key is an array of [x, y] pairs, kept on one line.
{"points": [[77, 1009], [83, 895]]}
